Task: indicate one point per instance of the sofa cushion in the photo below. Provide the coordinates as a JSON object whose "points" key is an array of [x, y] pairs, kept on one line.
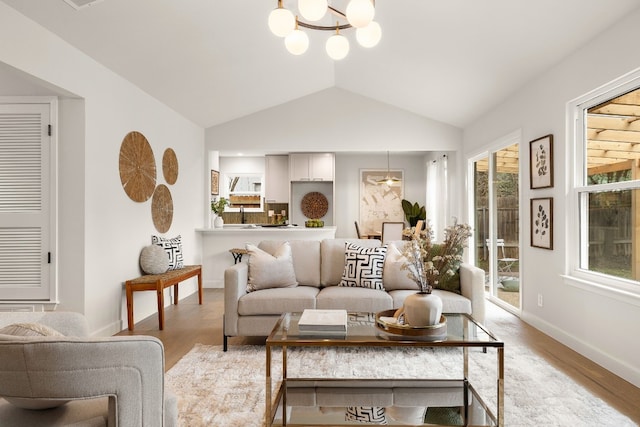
{"points": [[354, 299], [393, 276], [363, 266], [277, 301], [270, 270], [173, 248], [306, 259], [332, 255]]}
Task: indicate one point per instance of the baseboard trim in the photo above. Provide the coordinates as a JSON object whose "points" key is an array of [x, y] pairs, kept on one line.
{"points": [[607, 361]]}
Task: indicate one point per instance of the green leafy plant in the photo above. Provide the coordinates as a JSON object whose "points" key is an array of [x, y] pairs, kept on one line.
{"points": [[217, 206], [413, 212]]}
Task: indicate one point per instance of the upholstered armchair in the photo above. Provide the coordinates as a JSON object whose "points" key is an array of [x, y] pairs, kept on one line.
{"points": [[81, 381]]}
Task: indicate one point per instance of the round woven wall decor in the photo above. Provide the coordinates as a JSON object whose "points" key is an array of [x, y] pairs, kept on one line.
{"points": [[162, 208], [170, 166], [137, 167], [314, 205]]}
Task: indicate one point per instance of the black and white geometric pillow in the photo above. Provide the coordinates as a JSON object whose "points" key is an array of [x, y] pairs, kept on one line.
{"points": [[363, 266], [173, 248], [366, 414]]}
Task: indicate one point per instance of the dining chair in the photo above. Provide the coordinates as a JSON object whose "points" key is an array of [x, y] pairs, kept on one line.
{"points": [[392, 231], [358, 230], [504, 263]]}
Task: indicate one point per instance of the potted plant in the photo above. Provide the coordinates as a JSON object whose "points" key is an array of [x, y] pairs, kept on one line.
{"points": [[427, 264], [413, 212], [217, 207]]}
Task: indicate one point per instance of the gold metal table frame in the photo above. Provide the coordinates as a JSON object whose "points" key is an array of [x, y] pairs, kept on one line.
{"points": [[362, 332]]}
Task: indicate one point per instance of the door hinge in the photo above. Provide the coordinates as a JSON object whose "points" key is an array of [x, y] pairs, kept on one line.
{"points": [[49, 130]]}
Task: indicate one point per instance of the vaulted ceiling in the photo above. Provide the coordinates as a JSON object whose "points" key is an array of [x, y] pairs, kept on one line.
{"points": [[214, 60]]}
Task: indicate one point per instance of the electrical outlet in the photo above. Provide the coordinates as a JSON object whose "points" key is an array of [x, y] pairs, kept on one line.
{"points": [[539, 300]]}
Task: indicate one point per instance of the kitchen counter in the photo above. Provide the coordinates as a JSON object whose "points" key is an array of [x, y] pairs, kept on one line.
{"points": [[216, 243]]}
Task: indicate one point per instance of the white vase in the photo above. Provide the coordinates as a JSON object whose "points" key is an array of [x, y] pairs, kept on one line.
{"points": [[218, 222], [421, 309]]}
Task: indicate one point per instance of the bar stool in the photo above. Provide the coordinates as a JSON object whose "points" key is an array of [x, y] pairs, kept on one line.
{"points": [[237, 254]]}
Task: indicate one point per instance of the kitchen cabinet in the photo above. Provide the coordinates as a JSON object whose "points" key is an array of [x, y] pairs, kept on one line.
{"points": [[311, 166], [277, 179]]}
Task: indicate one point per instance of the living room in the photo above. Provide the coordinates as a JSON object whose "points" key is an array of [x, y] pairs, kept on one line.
{"points": [[100, 231]]}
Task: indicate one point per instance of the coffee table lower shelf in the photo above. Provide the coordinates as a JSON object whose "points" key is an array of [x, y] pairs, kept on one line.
{"points": [[348, 402]]}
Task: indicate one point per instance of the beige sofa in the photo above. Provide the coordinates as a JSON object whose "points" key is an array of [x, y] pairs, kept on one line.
{"points": [[114, 381], [318, 267]]}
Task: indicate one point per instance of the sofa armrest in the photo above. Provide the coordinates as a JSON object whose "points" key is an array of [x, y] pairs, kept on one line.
{"points": [[472, 287], [68, 323], [235, 286], [129, 370]]}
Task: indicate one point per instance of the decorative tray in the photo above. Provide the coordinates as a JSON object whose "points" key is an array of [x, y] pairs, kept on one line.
{"points": [[384, 323]]}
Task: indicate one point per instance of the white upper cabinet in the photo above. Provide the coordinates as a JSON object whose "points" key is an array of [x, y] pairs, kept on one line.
{"points": [[311, 166], [277, 179]]}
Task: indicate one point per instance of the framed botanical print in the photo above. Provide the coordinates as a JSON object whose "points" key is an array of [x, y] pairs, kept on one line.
{"points": [[215, 183], [541, 162], [542, 223]]}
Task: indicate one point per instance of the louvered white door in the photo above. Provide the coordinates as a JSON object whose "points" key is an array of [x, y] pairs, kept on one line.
{"points": [[25, 213]]}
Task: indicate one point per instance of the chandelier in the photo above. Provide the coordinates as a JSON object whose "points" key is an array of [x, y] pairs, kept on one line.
{"points": [[359, 14]]}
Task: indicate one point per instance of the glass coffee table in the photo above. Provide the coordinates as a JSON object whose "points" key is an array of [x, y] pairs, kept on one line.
{"points": [[336, 402]]}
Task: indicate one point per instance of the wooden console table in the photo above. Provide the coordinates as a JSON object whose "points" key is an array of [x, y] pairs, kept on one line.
{"points": [[158, 283]]}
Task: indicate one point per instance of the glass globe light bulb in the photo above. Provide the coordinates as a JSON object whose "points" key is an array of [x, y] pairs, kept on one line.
{"points": [[337, 47], [360, 13], [370, 35], [281, 21], [297, 42], [312, 10]]}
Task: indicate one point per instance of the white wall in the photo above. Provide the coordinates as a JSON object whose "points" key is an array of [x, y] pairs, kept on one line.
{"points": [[333, 120], [601, 327], [95, 213]]}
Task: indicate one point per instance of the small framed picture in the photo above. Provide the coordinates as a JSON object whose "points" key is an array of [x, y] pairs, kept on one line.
{"points": [[542, 223], [541, 162], [215, 183]]}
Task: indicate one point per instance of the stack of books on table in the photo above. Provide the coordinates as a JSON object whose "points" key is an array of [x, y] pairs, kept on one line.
{"points": [[315, 321]]}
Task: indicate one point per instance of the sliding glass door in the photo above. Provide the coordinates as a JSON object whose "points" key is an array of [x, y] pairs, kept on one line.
{"points": [[496, 222]]}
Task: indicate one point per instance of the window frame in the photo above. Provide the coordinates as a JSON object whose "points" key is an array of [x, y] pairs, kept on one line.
{"points": [[578, 188]]}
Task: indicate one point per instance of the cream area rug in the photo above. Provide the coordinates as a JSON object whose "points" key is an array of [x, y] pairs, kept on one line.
{"points": [[217, 388]]}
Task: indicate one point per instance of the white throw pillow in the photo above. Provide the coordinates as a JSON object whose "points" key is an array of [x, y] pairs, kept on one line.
{"points": [[270, 271], [394, 277], [363, 267], [154, 260]]}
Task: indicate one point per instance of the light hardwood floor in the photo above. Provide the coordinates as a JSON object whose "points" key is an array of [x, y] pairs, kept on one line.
{"points": [[189, 323]]}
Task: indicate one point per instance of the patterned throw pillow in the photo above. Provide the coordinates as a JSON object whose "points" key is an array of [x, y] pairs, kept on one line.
{"points": [[173, 248], [30, 330], [363, 267], [366, 414]]}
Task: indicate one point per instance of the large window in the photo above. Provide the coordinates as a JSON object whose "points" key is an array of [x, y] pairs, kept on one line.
{"points": [[607, 185]]}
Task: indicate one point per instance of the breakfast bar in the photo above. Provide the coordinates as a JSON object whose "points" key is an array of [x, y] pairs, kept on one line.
{"points": [[216, 243]]}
